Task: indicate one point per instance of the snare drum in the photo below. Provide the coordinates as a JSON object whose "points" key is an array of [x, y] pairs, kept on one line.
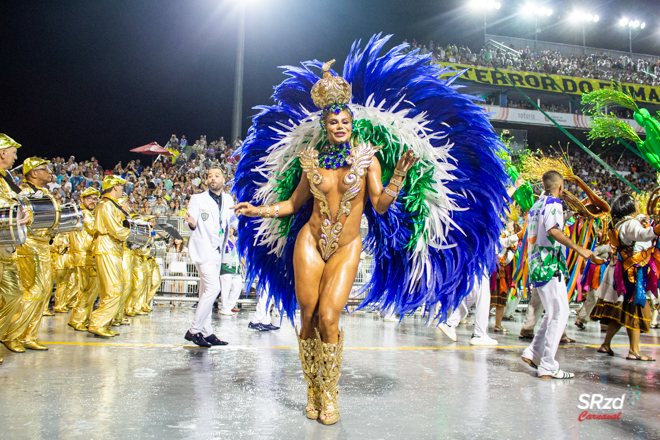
{"points": [[71, 219], [140, 235], [11, 233], [45, 211], [158, 249]]}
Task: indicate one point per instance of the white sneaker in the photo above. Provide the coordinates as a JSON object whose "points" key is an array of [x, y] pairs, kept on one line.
{"points": [[228, 313], [483, 341], [559, 374], [391, 318], [449, 331]]}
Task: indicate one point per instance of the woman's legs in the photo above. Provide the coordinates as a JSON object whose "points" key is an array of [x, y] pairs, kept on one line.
{"points": [[308, 270], [612, 329]]}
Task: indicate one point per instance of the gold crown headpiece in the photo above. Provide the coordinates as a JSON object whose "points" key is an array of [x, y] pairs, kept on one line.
{"points": [[331, 92]]}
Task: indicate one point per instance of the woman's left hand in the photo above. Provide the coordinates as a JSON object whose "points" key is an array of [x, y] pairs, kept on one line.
{"points": [[407, 161]]}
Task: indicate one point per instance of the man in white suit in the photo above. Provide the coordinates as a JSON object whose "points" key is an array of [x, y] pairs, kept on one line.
{"points": [[209, 218]]}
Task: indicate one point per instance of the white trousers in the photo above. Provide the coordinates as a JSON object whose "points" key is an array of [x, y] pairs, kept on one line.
{"points": [[554, 297], [511, 306], [480, 297], [209, 287], [534, 311], [587, 306], [261, 315], [232, 284]]}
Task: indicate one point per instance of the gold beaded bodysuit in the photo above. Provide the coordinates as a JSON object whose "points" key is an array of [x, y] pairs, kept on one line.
{"points": [[359, 159]]}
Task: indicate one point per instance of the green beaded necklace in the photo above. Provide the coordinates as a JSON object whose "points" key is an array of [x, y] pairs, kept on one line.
{"points": [[332, 157]]}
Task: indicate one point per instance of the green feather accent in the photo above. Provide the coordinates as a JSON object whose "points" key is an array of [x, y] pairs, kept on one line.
{"points": [[610, 126], [599, 99]]}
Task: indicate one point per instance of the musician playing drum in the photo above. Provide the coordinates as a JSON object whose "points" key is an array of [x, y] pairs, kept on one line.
{"points": [[34, 266], [83, 262], [111, 230], [11, 290]]}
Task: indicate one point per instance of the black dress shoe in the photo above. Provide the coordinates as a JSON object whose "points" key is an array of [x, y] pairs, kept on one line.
{"points": [[197, 339], [213, 340]]}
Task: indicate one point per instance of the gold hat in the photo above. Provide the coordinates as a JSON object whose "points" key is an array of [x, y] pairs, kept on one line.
{"points": [[330, 90], [147, 218], [7, 142], [110, 181], [91, 191], [32, 162]]}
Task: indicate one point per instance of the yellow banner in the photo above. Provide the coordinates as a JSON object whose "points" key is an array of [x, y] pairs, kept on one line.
{"points": [[551, 83]]}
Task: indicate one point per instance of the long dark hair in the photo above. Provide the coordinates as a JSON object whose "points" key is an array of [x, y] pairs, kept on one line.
{"points": [[622, 206]]}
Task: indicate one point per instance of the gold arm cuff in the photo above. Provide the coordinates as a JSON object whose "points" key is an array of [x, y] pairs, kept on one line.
{"points": [[277, 211], [391, 193], [400, 173], [396, 182], [260, 211]]}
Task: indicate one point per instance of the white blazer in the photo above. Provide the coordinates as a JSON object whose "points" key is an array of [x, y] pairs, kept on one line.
{"points": [[207, 237]]}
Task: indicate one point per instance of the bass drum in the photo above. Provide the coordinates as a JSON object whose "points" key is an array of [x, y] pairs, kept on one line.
{"points": [[12, 234], [141, 234], [45, 211], [71, 219], [158, 249]]}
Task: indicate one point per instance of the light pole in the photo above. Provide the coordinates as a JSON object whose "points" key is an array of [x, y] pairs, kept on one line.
{"points": [[485, 6], [237, 118], [537, 11], [583, 18], [632, 24]]}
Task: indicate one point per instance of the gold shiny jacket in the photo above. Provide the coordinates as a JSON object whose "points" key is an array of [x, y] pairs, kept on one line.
{"points": [[38, 240], [109, 231], [59, 252], [81, 241]]}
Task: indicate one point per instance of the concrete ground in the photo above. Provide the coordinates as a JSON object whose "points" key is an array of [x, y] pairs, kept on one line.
{"points": [[404, 380]]}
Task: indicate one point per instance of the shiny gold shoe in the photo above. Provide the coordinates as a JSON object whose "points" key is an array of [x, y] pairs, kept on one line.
{"points": [[60, 310], [116, 323], [34, 345], [310, 366], [78, 327], [331, 357], [1, 360], [14, 346], [100, 332], [114, 333], [140, 312], [48, 313], [125, 321]]}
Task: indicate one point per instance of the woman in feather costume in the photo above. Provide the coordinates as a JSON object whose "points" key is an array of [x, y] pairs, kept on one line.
{"points": [[412, 154]]}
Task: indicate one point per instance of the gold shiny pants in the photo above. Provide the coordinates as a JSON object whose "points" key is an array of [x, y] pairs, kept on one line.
{"points": [[127, 287], [155, 285], [139, 287], [108, 267], [36, 275], [11, 293], [88, 288], [66, 290], [142, 300]]}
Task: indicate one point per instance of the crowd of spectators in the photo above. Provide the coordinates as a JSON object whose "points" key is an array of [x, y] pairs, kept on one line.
{"points": [[599, 66], [162, 187]]}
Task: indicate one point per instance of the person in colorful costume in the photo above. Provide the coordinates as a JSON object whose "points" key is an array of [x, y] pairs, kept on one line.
{"points": [[83, 262], [622, 296], [314, 164], [593, 278], [502, 277], [547, 272]]}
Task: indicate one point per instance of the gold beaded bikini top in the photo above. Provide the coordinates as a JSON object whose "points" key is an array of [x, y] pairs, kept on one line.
{"points": [[359, 159]]}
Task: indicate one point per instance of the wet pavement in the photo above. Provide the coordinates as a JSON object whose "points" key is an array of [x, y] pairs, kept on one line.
{"points": [[399, 380]]}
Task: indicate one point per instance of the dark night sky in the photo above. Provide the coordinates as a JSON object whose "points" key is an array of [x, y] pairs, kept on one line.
{"points": [[100, 77]]}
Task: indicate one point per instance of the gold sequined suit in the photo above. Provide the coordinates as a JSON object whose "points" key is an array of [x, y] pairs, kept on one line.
{"points": [[155, 284], [65, 278], [108, 249], [36, 274], [11, 290], [138, 294], [127, 287], [85, 267]]}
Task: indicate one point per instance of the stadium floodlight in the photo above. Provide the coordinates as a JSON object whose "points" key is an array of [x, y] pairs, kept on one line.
{"points": [[536, 10], [631, 24], [584, 17]]}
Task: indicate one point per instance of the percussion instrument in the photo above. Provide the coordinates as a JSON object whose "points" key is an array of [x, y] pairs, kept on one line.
{"points": [[12, 234], [158, 249], [44, 211], [71, 219], [141, 234]]}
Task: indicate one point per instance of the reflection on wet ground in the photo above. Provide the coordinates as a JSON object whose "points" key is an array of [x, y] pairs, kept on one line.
{"points": [[402, 380]]}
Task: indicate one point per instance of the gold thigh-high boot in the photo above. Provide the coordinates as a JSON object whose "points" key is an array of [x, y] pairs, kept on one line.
{"points": [[331, 357], [310, 365]]}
